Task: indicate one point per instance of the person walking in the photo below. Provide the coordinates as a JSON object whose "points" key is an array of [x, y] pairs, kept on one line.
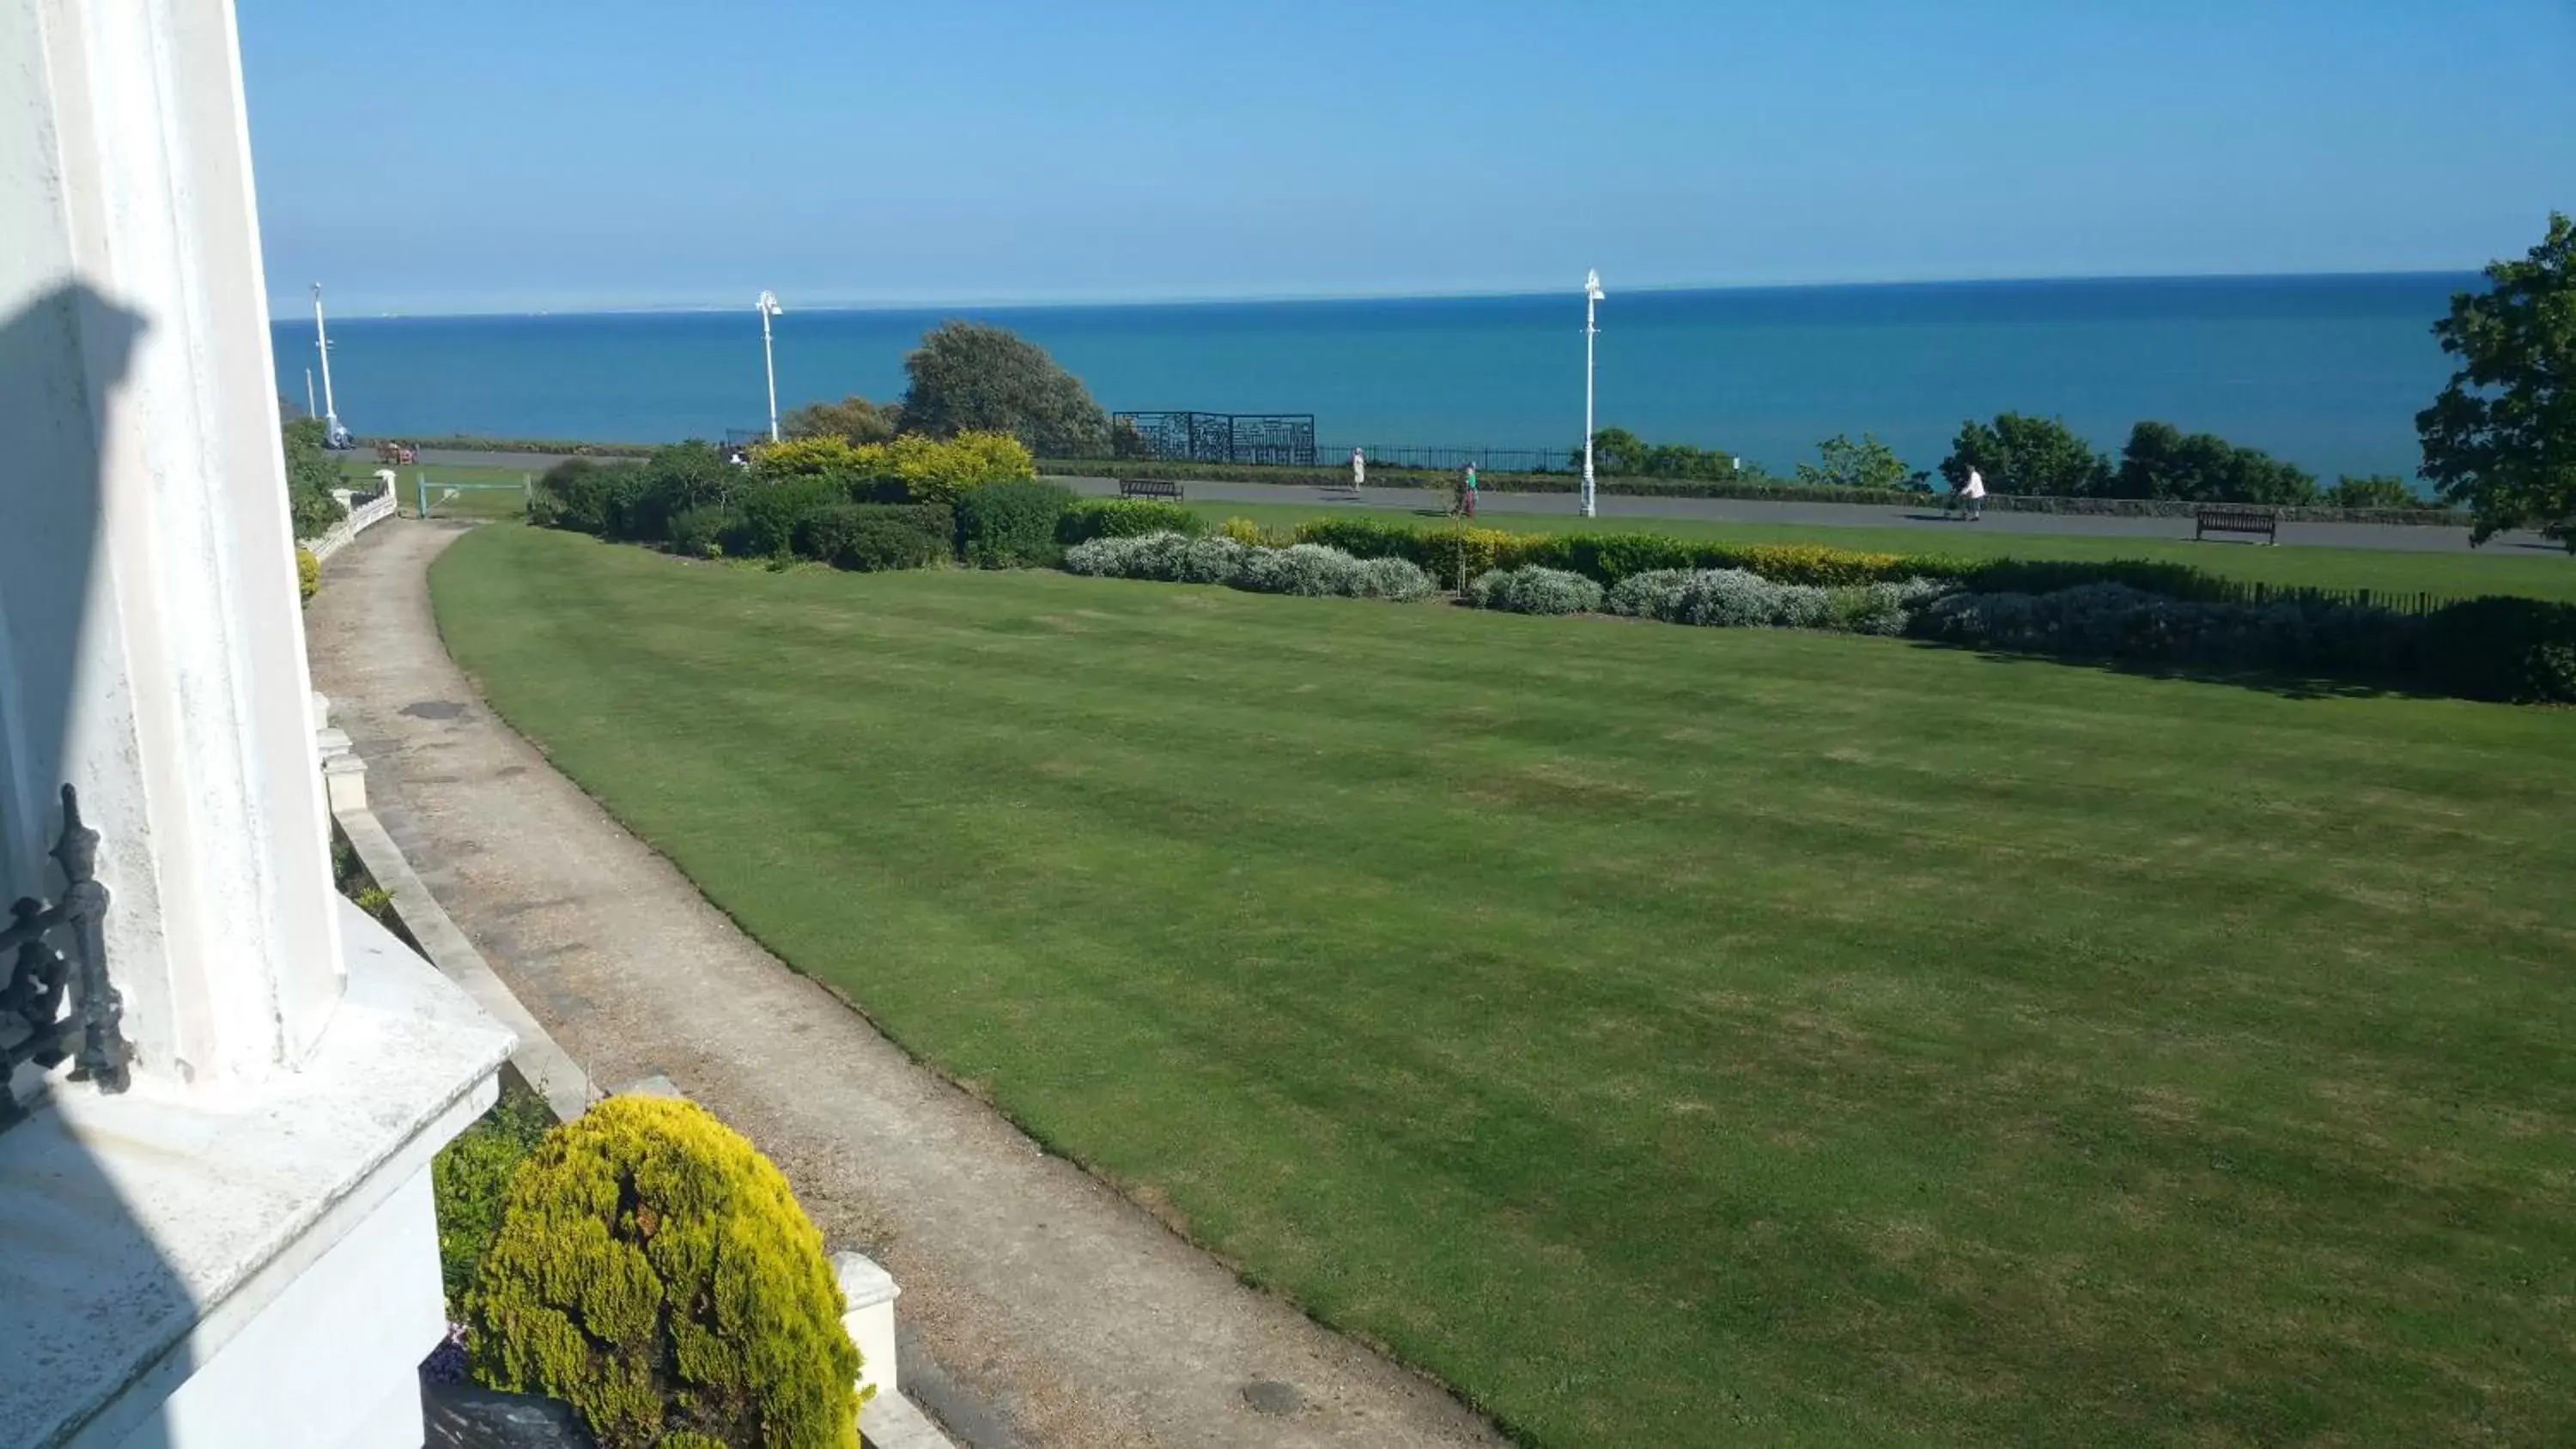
{"points": [[1467, 494], [1359, 470], [1973, 494]]}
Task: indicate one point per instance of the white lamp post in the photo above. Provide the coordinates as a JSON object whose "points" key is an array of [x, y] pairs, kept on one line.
{"points": [[1591, 329], [769, 308], [331, 431]]}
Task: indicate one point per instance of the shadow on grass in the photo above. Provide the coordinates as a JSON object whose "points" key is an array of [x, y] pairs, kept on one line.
{"points": [[2279, 685]]}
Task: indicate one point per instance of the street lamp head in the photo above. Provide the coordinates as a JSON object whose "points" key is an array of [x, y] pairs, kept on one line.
{"points": [[769, 304], [1592, 286]]}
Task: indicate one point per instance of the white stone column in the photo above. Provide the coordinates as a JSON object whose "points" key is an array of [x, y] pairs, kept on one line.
{"points": [[151, 648]]}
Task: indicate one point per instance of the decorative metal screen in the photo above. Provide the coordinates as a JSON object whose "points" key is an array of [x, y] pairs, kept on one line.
{"points": [[1194, 437]]}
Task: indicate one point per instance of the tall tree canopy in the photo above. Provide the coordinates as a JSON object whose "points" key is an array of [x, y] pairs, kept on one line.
{"points": [[853, 417], [2033, 457], [2502, 437], [968, 377], [2163, 461]]}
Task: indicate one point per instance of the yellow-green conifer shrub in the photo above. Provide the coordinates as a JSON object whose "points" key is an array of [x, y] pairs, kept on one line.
{"points": [[653, 1270], [308, 572]]}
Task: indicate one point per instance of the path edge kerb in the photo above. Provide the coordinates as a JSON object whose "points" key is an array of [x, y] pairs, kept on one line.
{"points": [[1367, 1343]]}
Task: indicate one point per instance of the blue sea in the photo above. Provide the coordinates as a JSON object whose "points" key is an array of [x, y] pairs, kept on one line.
{"points": [[2327, 372]]}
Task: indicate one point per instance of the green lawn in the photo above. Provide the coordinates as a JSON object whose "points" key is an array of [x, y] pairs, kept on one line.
{"points": [[2495, 570], [1666, 1036]]}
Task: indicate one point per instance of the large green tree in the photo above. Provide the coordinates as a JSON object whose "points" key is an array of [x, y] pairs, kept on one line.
{"points": [[2163, 461], [2502, 437], [1869, 463], [2033, 457], [970, 377], [853, 417]]}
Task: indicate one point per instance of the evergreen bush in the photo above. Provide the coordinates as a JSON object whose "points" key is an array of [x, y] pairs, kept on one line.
{"points": [[771, 515], [1126, 518], [308, 573], [868, 537], [471, 1176], [700, 532], [2519, 650], [1011, 525], [654, 1271]]}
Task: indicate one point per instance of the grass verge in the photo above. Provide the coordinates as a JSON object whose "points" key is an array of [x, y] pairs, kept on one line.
{"points": [[1667, 1036]]}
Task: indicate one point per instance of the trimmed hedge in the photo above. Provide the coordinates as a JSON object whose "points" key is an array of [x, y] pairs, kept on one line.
{"points": [[1091, 518], [869, 537], [653, 1270], [770, 517], [1450, 552], [1012, 525]]}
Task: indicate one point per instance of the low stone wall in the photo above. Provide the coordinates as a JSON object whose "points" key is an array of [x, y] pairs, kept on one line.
{"points": [[362, 517]]}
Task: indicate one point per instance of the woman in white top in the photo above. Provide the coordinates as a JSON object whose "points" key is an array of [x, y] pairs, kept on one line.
{"points": [[1973, 492], [1359, 470]]}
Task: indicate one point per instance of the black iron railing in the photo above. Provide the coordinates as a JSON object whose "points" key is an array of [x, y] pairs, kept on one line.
{"points": [[35, 1023]]}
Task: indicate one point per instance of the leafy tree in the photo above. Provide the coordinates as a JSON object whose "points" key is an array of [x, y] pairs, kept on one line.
{"points": [[968, 377], [2033, 457], [2502, 437], [2379, 490], [1618, 453], [853, 417], [310, 476], [2162, 461], [1842, 463]]}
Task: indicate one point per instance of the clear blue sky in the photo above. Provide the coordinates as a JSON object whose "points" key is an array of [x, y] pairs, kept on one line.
{"points": [[474, 155]]}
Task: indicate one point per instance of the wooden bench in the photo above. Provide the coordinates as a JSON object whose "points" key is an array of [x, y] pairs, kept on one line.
{"points": [[1149, 488], [2207, 521]]}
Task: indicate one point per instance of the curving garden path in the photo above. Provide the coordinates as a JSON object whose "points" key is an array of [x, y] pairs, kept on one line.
{"points": [[1039, 1307]]}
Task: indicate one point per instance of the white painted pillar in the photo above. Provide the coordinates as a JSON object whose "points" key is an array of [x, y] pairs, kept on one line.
{"points": [[151, 648]]}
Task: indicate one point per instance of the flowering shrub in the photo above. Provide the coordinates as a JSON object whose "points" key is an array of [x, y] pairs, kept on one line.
{"points": [[1534, 590], [1265, 535], [1305, 568], [1743, 599]]}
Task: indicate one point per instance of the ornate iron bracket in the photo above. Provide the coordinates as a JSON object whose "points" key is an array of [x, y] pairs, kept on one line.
{"points": [[32, 1004]]}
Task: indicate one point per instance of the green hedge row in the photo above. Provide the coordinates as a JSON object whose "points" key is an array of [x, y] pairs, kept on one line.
{"points": [[1753, 490], [1457, 553], [688, 499]]}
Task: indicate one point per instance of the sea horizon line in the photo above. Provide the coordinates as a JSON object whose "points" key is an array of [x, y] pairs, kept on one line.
{"points": [[283, 310]]}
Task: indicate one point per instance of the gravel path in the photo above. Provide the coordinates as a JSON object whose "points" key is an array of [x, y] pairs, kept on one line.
{"points": [[1040, 1308]]}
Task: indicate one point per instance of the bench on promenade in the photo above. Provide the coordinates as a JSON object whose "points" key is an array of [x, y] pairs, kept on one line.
{"points": [[2206, 521], [1149, 488]]}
